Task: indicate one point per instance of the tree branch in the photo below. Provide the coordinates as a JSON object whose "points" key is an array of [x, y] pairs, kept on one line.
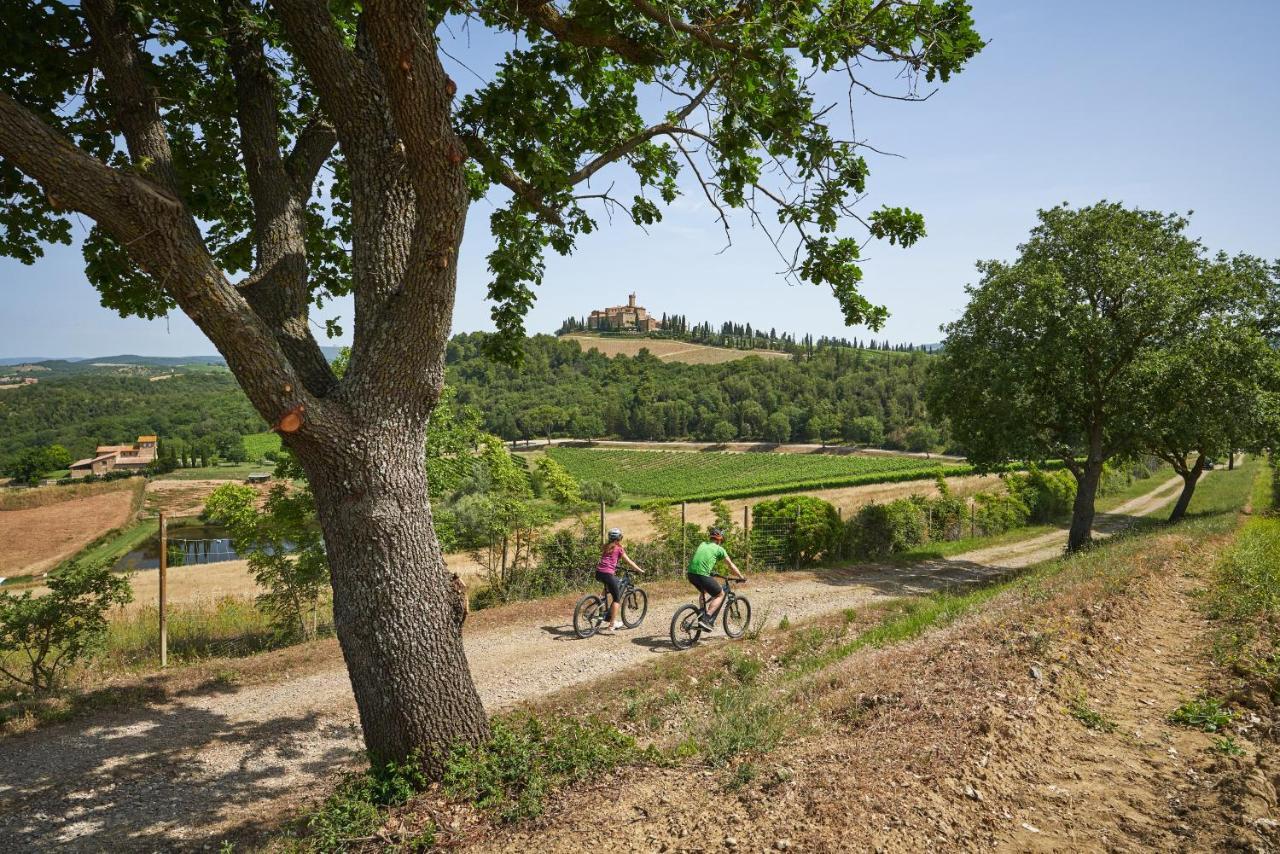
{"points": [[311, 149], [135, 103], [348, 95], [278, 287], [572, 31], [163, 240]]}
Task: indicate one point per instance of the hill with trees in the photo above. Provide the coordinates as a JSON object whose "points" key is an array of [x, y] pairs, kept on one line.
{"points": [[559, 390]]}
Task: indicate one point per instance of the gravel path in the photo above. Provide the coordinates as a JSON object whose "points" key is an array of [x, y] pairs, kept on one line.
{"points": [[221, 761]]}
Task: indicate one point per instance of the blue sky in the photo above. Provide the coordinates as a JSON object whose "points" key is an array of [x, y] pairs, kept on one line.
{"points": [[1161, 104]]}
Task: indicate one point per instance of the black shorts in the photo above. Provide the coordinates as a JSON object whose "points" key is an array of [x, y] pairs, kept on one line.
{"points": [[610, 580], [705, 584]]}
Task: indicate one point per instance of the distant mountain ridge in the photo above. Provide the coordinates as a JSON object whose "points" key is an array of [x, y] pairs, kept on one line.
{"points": [[127, 359]]}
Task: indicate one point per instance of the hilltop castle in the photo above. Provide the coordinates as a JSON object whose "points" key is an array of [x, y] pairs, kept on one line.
{"points": [[623, 318]]}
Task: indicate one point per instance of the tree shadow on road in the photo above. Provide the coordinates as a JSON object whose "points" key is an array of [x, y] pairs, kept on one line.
{"points": [[126, 780]]}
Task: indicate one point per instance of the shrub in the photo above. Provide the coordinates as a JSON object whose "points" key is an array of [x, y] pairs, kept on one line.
{"points": [[995, 514], [800, 529], [877, 530], [1047, 495], [56, 630]]}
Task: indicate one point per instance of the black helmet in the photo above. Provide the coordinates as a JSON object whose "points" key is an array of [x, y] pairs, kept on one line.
{"points": [[716, 532]]}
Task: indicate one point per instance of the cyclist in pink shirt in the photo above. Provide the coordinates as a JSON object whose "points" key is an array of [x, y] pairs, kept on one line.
{"points": [[607, 574]]}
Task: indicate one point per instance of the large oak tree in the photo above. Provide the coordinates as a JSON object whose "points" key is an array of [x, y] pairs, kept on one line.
{"points": [[243, 161], [1047, 361]]}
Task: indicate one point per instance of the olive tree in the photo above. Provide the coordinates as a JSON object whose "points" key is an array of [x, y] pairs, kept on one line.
{"points": [[1046, 361], [244, 160]]}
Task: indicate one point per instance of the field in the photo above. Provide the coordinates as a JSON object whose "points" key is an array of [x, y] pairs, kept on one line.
{"points": [[669, 351], [37, 538], [688, 476], [258, 445]]}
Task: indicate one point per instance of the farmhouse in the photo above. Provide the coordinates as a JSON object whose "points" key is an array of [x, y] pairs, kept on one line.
{"points": [[108, 458], [623, 318]]}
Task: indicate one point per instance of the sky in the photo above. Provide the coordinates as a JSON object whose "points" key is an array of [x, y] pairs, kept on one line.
{"points": [[1163, 104]]}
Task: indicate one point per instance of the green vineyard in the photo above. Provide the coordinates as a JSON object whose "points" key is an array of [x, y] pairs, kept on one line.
{"points": [[690, 475]]}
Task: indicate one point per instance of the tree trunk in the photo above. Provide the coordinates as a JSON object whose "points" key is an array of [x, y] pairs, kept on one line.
{"points": [[1189, 479], [1082, 512], [1231, 461], [394, 609]]}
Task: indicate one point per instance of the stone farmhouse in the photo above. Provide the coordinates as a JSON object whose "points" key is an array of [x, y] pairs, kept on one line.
{"points": [[623, 318], [109, 458]]}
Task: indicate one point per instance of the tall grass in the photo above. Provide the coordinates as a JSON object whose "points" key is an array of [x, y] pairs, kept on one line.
{"points": [[227, 628]]}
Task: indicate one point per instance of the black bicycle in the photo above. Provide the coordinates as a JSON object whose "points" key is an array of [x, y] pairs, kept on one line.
{"points": [[686, 625], [592, 611]]}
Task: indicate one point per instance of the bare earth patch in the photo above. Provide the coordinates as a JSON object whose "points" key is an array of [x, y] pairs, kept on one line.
{"points": [[36, 539]]}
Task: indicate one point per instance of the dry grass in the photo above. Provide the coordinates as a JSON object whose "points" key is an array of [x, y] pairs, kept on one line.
{"points": [[669, 351], [45, 496]]}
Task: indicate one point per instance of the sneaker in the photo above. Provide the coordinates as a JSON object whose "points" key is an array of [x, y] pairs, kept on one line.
{"points": [[618, 626], [606, 629], [708, 624]]}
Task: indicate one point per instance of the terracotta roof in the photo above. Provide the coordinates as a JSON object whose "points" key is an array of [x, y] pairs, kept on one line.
{"points": [[146, 439], [91, 460]]}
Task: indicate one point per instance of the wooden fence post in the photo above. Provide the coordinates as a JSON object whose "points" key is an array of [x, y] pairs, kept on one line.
{"points": [[973, 529], [684, 534], [164, 592], [603, 531]]}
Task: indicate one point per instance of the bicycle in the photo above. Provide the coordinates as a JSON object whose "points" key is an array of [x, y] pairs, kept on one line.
{"points": [[592, 611], [735, 612]]}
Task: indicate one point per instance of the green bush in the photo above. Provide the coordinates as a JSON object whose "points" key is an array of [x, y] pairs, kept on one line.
{"points": [[800, 528], [525, 758], [996, 514], [66, 625], [877, 530], [1047, 495]]}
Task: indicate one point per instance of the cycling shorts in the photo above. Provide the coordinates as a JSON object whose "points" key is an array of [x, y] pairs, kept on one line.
{"points": [[610, 580], [705, 584]]}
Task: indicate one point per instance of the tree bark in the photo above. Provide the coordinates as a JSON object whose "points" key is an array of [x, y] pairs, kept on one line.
{"points": [[1081, 533], [393, 599], [1189, 479]]}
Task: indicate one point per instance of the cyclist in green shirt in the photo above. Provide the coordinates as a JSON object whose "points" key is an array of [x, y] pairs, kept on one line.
{"points": [[703, 563]]}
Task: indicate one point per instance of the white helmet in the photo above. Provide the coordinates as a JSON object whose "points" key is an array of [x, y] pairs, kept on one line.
{"points": [[615, 534]]}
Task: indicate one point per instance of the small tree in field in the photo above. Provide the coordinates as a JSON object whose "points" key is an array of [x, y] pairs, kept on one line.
{"points": [[1046, 360], [283, 548], [245, 161], [41, 636], [598, 491]]}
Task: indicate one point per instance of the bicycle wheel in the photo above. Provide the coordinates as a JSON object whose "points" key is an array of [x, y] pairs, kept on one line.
{"points": [[588, 615], [737, 617], [685, 627], [635, 604]]}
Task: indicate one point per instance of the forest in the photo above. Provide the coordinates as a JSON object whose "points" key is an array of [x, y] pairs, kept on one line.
{"points": [[835, 393], [871, 397], [85, 410]]}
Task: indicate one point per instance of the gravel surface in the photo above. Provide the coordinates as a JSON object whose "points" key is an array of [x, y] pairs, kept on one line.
{"points": [[224, 760]]}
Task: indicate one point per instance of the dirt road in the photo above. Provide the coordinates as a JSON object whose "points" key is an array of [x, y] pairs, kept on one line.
{"points": [[225, 760]]}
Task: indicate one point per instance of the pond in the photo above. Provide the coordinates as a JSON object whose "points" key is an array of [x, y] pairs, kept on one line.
{"points": [[197, 544]]}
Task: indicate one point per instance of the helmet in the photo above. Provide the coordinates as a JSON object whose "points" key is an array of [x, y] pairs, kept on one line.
{"points": [[716, 532], [615, 534]]}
